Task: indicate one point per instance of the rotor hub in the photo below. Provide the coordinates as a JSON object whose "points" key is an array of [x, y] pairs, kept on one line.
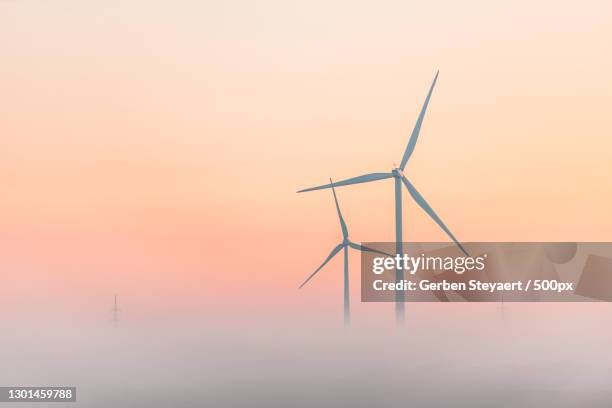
{"points": [[397, 172]]}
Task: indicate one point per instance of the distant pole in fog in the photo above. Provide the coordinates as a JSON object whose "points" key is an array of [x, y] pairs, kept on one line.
{"points": [[115, 310]]}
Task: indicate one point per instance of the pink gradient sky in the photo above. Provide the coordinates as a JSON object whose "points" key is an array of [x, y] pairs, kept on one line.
{"points": [[154, 149]]}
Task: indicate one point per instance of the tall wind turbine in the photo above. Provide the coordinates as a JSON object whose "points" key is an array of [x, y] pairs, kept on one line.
{"points": [[397, 173], [345, 244]]}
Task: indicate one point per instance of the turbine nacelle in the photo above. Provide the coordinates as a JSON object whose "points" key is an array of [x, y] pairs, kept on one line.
{"points": [[397, 172]]}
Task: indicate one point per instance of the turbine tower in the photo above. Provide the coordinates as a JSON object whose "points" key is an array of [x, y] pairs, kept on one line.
{"points": [[115, 310], [345, 244], [397, 173]]}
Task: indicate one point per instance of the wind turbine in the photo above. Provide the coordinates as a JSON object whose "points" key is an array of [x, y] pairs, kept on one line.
{"points": [[345, 244], [397, 173]]}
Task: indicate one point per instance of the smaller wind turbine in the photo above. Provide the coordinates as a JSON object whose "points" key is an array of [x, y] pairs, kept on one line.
{"points": [[345, 244], [115, 311]]}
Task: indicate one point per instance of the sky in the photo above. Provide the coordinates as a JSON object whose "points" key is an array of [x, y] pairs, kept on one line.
{"points": [[153, 149]]}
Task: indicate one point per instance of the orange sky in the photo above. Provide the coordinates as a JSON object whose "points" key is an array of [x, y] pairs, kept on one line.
{"points": [[154, 149]]}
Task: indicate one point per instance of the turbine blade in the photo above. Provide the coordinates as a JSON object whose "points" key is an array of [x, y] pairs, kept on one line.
{"points": [[329, 257], [342, 223], [423, 204], [417, 127], [364, 248], [354, 180]]}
